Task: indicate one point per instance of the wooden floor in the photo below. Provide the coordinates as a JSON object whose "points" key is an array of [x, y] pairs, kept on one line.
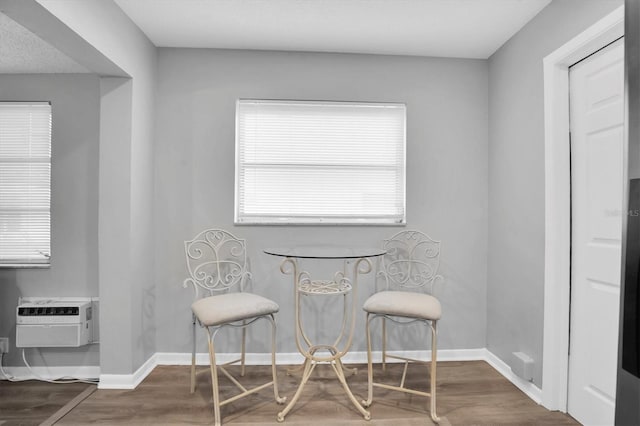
{"points": [[469, 393], [32, 402]]}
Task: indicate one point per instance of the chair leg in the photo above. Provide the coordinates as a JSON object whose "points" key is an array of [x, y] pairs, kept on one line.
{"points": [[434, 350], [193, 357], [384, 344], [214, 382], [369, 400], [279, 399], [243, 349]]}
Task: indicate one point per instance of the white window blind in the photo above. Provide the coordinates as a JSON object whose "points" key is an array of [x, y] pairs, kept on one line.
{"points": [[320, 162], [25, 183]]}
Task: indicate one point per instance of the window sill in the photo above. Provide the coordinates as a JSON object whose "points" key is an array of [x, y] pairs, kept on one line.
{"points": [[326, 223], [25, 266]]}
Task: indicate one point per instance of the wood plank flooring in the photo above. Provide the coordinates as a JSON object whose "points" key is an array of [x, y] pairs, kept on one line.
{"points": [[469, 393], [32, 402]]}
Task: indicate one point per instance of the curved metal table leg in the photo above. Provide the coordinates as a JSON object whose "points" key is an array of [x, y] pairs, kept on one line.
{"points": [[338, 367], [308, 366], [342, 285]]}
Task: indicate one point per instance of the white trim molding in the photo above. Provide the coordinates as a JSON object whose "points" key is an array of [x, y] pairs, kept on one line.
{"points": [[128, 381], [530, 389], [555, 359], [131, 381], [176, 358]]}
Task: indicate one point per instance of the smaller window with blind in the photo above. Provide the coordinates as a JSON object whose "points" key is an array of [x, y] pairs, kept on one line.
{"points": [[312, 162], [25, 184]]}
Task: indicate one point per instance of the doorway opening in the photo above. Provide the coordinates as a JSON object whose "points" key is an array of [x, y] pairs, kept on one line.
{"points": [[558, 202]]}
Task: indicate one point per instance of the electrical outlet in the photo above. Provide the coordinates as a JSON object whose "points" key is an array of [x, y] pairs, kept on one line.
{"points": [[4, 345]]}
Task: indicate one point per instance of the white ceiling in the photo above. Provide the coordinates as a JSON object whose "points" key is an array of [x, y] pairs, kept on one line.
{"points": [[446, 28]]}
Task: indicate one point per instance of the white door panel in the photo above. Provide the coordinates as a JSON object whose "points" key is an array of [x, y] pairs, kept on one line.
{"points": [[597, 115], [604, 165], [599, 254]]}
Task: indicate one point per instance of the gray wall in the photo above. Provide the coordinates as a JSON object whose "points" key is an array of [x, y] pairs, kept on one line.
{"points": [[628, 385], [126, 215], [75, 103], [446, 175], [467, 152], [515, 283], [100, 36]]}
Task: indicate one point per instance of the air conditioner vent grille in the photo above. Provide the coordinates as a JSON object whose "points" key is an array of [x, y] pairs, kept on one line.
{"points": [[33, 311]]}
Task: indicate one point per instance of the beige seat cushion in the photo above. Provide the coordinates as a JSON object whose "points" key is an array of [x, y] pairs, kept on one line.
{"points": [[404, 304], [230, 307]]}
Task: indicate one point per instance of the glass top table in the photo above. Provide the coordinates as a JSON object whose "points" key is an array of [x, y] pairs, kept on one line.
{"points": [[357, 262], [325, 252]]}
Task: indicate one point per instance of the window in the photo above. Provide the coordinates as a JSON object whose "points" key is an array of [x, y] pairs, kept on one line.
{"points": [[25, 183], [320, 162]]}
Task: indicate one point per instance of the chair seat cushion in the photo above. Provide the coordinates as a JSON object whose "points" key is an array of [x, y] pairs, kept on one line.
{"points": [[404, 304], [230, 307]]}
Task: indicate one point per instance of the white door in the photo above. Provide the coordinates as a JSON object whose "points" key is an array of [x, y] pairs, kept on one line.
{"points": [[597, 136]]}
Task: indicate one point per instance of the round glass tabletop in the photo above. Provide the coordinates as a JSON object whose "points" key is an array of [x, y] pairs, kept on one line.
{"points": [[325, 252]]}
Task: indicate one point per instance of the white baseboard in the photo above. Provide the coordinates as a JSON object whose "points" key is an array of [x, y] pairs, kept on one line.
{"points": [[128, 381], [173, 358], [530, 389], [180, 358], [131, 381], [482, 354]]}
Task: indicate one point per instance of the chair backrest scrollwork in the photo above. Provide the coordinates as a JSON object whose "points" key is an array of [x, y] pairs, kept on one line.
{"points": [[217, 261], [412, 261]]}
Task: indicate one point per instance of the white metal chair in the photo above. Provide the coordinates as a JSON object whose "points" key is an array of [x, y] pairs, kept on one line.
{"points": [[409, 271], [217, 264]]}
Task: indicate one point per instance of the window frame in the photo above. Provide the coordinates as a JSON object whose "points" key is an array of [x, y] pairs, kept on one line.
{"points": [[398, 219]]}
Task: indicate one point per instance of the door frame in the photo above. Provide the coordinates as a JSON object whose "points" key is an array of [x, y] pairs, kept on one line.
{"points": [[557, 284]]}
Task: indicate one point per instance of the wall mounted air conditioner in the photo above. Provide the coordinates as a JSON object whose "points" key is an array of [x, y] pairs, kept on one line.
{"points": [[53, 322]]}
